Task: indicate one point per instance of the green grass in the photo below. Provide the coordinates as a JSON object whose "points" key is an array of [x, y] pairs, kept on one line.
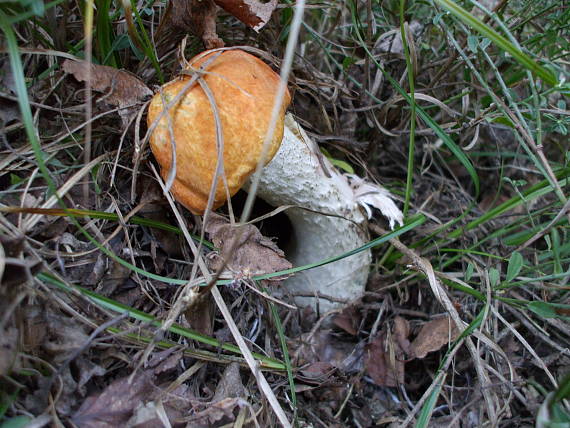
{"points": [[474, 139]]}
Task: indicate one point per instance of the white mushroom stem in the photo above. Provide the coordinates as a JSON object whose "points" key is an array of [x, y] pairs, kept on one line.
{"points": [[295, 176]]}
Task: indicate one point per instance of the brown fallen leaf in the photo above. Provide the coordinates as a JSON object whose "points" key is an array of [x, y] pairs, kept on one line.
{"points": [[378, 365], [348, 320], [384, 358], [200, 315], [9, 110], [223, 410], [121, 89], [230, 384], [8, 349], [254, 254], [253, 13], [115, 405], [325, 347], [198, 17], [433, 335], [183, 17], [401, 333], [165, 361], [317, 372]]}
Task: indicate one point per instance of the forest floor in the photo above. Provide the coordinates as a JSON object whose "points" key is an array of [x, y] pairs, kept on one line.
{"points": [[465, 318]]}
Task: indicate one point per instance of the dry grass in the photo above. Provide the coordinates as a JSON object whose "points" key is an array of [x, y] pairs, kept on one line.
{"points": [[492, 255]]}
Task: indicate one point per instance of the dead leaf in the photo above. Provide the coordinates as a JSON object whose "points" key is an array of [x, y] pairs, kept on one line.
{"points": [[115, 405], [200, 315], [324, 347], [253, 13], [433, 335], [17, 270], [318, 372], [183, 17], [230, 385], [120, 88], [222, 410], [8, 349], [87, 369], [176, 404], [165, 361], [9, 110], [198, 17], [145, 415], [254, 254], [384, 358], [378, 365], [348, 320], [401, 333]]}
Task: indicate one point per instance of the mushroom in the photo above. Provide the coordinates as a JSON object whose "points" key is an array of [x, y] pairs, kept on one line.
{"points": [[328, 214], [244, 90]]}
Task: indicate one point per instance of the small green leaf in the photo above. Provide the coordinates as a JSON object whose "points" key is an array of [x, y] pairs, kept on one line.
{"points": [[494, 277], [438, 17], [472, 43], [516, 263], [502, 120], [347, 62], [548, 242], [550, 310], [563, 391], [16, 422], [555, 239], [345, 166], [15, 180], [468, 272], [94, 173], [515, 183]]}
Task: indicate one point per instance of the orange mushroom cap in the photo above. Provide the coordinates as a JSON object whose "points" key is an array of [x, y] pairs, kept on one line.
{"points": [[244, 88]]}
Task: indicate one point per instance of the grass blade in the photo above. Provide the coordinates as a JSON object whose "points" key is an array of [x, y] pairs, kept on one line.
{"points": [[499, 40]]}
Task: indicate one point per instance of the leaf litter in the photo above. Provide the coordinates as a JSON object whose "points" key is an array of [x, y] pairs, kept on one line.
{"points": [[120, 88], [254, 254], [351, 367]]}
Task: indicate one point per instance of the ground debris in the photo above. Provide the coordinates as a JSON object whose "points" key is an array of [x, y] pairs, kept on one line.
{"points": [[115, 405], [253, 13], [433, 335], [384, 358], [120, 88], [254, 254], [215, 413], [348, 320]]}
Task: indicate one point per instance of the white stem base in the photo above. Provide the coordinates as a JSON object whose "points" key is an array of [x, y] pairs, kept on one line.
{"points": [[296, 176]]}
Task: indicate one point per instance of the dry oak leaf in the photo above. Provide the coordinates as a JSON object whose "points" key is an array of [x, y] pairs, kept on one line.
{"points": [[433, 335], [254, 254], [121, 88], [253, 13]]}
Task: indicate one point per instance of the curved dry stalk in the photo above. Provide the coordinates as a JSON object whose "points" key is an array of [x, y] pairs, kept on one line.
{"points": [[66, 187], [190, 293], [440, 294]]}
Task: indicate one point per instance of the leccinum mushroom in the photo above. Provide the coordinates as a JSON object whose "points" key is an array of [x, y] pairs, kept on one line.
{"points": [[329, 217]]}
